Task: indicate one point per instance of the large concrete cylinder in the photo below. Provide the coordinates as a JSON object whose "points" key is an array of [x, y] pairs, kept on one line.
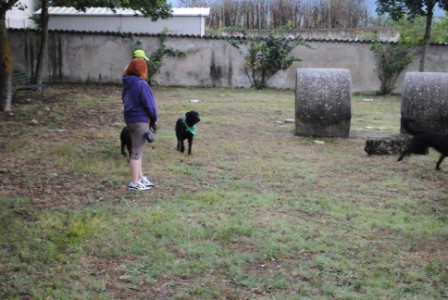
{"points": [[425, 98], [323, 102]]}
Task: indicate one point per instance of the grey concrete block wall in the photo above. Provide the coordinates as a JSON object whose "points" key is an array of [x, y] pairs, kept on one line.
{"points": [[81, 57], [357, 57], [208, 63]]}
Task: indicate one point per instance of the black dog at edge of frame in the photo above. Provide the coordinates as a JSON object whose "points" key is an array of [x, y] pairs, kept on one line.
{"points": [[185, 130], [424, 139]]}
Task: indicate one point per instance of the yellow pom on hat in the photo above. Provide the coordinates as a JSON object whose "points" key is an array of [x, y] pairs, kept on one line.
{"points": [[140, 54]]}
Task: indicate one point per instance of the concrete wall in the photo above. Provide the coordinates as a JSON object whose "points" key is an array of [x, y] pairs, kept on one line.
{"points": [[383, 34], [209, 62]]}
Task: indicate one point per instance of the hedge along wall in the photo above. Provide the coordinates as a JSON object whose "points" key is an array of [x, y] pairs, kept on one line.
{"points": [[209, 62]]}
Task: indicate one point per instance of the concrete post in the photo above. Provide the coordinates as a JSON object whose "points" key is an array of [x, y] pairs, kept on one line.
{"points": [[425, 98], [323, 102]]}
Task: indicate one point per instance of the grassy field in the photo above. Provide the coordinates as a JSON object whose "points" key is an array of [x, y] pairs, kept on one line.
{"points": [[255, 213]]}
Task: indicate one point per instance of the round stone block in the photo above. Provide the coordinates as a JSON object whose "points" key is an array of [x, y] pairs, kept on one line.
{"points": [[323, 102], [425, 99]]}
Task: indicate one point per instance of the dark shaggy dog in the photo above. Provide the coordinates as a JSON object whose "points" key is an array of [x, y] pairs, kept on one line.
{"points": [[126, 142], [422, 140], [125, 138], [185, 130]]}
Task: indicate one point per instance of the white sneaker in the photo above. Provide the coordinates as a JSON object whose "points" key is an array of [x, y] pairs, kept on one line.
{"points": [[145, 181], [138, 187]]}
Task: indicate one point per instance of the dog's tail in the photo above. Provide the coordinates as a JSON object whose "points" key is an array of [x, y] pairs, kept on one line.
{"points": [[405, 123]]}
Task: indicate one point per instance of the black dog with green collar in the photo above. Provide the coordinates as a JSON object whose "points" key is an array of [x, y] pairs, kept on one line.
{"points": [[186, 130]]}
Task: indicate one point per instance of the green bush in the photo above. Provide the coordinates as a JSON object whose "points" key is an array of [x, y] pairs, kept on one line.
{"points": [[391, 59], [264, 57]]}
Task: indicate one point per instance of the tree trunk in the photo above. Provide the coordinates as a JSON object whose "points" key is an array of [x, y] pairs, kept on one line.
{"points": [[427, 35], [6, 65], [42, 58]]}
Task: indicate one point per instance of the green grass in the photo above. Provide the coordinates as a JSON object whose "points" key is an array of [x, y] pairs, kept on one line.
{"points": [[255, 213]]}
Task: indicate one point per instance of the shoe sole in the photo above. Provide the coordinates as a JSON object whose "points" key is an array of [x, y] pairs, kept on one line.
{"points": [[139, 190]]}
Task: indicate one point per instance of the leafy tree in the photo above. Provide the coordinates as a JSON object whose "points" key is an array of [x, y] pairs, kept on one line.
{"points": [[440, 30], [392, 58], [266, 56], [413, 9], [412, 31]]}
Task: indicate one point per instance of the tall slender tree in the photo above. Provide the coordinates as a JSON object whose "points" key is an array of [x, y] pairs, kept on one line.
{"points": [[42, 56], [6, 62], [413, 8]]}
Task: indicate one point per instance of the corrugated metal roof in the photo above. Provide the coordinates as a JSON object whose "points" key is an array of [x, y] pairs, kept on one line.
{"points": [[104, 11]]}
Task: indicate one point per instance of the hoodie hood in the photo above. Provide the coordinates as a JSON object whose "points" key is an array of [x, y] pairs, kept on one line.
{"points": [[130, 80]]}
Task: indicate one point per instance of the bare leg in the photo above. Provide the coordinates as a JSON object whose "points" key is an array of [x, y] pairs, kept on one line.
{"points": [[136, 170], [140, 171]]}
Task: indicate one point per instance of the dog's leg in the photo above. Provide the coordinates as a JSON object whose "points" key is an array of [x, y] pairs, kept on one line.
{"points": [[403, 154], [190, 144], [442, 157], [182, 146]]}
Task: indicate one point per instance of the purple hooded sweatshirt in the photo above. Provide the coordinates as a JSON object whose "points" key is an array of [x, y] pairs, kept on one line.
{"points": [[138, 101]]}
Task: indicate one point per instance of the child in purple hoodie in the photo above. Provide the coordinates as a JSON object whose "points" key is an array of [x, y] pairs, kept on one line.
{"points": [[140, 115]]}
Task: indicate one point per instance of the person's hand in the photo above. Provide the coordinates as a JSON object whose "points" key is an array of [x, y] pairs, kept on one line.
{"points": [[153, 127]]}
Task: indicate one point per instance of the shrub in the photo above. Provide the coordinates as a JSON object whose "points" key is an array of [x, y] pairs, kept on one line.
{"points": [[266, 56], [391, 59]]}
